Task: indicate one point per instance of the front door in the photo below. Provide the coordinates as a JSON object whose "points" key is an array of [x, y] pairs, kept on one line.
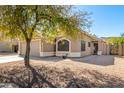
{"points": [[95, 48], [15, 48]]}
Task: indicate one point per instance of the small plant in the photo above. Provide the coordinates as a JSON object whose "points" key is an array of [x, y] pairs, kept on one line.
{"points": [[65, 56]]}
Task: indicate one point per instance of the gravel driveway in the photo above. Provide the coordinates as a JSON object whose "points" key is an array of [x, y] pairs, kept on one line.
{"points": [[104, 70]]}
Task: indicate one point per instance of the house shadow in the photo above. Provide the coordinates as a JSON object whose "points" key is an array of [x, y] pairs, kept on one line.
{"points": [[44, 77], [100, 81]]}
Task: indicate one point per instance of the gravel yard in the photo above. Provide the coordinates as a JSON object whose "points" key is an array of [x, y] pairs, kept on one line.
{"points": [[91, 71]]}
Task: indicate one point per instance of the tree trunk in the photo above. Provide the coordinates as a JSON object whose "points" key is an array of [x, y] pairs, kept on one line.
{"points": [[27, 53], [55, 47]]}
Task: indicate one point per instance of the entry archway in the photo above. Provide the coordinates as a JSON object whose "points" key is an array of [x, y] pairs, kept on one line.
{"points": [[63, 46]]}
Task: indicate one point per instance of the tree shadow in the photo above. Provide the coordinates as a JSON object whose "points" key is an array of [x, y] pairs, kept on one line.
{"points": [[97, 80], [43, 77], [38, 79], [30, 78]]}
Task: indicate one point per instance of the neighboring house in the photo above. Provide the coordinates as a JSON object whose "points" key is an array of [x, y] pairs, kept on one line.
{"points": [[87, 45], [9, 46]]}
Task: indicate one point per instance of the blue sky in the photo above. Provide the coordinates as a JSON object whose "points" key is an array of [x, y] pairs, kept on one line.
{"points": [[107, 20]]}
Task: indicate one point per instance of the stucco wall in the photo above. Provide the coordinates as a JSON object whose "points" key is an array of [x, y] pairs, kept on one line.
{"points": [[103, 46], [74, 48], [47, 47], [88, 50], [5, 46], [35, 50], [92, 48], [75, 45], [108, 50], [39, 48], [121, 50]]}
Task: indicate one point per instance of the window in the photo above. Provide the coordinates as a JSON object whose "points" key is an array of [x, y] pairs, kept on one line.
{"points": [[88, 44], [82, 45], [63, 45]]}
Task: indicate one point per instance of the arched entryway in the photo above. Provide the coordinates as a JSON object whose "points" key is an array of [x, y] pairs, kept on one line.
{"points": [[63, 47]]}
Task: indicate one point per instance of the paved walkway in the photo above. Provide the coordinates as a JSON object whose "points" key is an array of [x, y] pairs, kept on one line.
{"points": [[6, 59]]}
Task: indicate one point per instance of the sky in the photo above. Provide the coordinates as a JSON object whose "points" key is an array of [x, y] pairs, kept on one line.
{"points": [[107, 20]]}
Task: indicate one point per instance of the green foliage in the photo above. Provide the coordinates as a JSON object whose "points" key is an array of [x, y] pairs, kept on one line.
{"points": [[47, 22], [113, 40], [116, 40], [122, 40]]}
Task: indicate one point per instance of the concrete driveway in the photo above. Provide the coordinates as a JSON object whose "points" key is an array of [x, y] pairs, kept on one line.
{"points": [[103, 60], [6, 59]]}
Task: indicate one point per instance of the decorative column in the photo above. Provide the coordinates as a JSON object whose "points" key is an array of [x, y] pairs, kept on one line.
{"points": [[120, 50], [123, 50], [19, 47]]}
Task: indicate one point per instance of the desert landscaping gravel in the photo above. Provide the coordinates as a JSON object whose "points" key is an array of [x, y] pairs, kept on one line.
{"points": [[71, 72]]}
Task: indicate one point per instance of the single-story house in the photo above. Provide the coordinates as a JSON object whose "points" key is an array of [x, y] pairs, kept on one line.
{"points": [[9, 46], [87, 45]]}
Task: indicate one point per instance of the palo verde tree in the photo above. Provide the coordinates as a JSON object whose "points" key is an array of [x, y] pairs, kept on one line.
{"points": [[29, 22]]}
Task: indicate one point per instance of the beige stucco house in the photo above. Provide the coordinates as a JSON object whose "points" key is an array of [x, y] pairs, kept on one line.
{"points": [[87, 45], [9, 45]]}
